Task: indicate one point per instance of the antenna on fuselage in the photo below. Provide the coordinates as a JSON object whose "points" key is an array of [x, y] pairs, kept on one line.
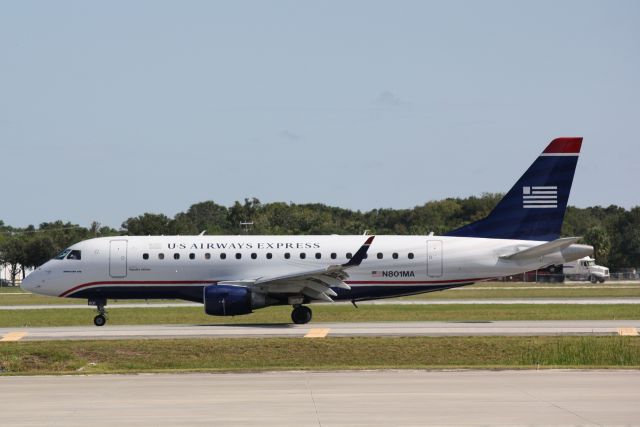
{"points": [[202, 233]]}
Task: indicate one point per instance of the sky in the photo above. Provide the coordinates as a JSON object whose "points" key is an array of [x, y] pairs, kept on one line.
{"points": [[112, 109]]}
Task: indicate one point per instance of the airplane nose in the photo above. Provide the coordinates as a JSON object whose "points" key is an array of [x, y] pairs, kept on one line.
{"points": [[33, 281], [27, 282]]}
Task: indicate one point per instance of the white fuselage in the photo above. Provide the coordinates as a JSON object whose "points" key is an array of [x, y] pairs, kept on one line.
{"points": [[181, 266]]}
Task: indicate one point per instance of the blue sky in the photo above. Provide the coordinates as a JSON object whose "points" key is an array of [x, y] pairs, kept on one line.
{"points": [[112, 109]]}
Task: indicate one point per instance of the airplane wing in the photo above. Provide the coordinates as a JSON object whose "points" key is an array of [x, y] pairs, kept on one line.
{"points": [[315, 284]]}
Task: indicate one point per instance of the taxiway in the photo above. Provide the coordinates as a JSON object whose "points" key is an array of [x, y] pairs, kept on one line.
{"points": [[355, 398], [321, 330]]}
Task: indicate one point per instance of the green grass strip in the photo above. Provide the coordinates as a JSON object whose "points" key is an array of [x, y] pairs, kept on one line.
{"points": [[327, 313], [240, 354]]}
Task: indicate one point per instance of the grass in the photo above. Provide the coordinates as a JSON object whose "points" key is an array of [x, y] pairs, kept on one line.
{"points": [[10, 289], [533, 292], [327, 313], [31, 299], [243, 354]]}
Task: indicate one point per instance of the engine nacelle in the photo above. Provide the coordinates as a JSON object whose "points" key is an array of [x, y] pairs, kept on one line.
{"points": [[230, 300]]}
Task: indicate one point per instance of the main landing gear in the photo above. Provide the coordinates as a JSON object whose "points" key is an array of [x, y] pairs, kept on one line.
{"points": [[301, 314], [101, 318]]}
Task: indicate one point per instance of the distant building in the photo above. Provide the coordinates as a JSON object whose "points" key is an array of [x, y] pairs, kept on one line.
{"points": [[5, 275]]}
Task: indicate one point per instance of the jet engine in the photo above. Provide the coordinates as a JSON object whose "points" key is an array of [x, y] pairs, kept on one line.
{"points": [[231, 300]]}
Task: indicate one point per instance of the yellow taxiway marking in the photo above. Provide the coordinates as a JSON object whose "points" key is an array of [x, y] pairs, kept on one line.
{"points": [[317, 333], [13, 336], [628, 332]]}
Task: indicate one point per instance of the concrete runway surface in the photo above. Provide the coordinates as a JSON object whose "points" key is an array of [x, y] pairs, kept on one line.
{"points": [[355, 398], [321, 330]]}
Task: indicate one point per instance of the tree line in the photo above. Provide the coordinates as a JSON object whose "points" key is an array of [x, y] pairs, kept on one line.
{"points": [[613, 231]]}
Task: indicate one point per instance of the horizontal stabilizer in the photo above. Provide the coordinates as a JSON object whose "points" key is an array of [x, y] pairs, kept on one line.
{"points": [[543, 249]]}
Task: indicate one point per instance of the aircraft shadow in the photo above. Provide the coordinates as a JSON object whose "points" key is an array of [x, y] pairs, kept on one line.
{"points": [[248, 325]]}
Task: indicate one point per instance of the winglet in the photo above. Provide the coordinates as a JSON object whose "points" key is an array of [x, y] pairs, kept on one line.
{"points": [[357, 258]]}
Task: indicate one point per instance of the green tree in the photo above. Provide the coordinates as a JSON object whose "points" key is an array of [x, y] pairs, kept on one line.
{"points": [[625, 252], [209, 216], [599, 239], [147, 224], [38, 250], [181, 224], [242, 213], [12, 253]]}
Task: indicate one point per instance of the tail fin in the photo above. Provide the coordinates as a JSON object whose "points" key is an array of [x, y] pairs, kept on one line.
{"points": [[534, 207]]}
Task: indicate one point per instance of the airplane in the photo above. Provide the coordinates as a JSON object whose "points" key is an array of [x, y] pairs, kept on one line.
{"points": [[235, 275]]}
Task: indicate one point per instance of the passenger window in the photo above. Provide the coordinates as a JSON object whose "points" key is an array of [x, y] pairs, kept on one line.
{"points": [[74, 255], [394, 255], [207, 255], [223, 255], [192, 256], [145, 256], [318, 255], [410, 255], [269, 255], [254, 255], [176, 256], [349, 255], [238, 255], [160, 255], [333, 255], [379, 255], [287, 255], [303, 255]]}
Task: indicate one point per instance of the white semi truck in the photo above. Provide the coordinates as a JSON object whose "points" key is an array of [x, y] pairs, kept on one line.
{"points": [[585, 269]]}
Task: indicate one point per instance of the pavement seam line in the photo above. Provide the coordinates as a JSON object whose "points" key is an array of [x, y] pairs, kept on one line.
{"points": [[317, 333], [14, 336]]}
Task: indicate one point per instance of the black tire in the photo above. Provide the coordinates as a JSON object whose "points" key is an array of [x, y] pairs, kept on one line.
{"points": [[99, 320], [593, 279], [301, 315], [601, 280]]}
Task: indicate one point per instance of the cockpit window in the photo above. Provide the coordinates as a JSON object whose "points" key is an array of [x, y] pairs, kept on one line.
{"points": [[63, 254], [74, 255]]}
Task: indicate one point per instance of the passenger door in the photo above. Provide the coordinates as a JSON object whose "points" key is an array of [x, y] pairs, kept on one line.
{"points": [[118, 258], [434, 258]]}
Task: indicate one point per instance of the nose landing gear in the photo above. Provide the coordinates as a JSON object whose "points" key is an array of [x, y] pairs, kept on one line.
{"points": [[301, 314], [101, 318]]}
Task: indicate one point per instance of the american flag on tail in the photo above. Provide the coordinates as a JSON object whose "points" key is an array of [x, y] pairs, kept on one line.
{"points": [[540, 197]]}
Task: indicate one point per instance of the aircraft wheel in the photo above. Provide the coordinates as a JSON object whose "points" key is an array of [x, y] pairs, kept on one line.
{"points": [[99, 320], [301, 315]]}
